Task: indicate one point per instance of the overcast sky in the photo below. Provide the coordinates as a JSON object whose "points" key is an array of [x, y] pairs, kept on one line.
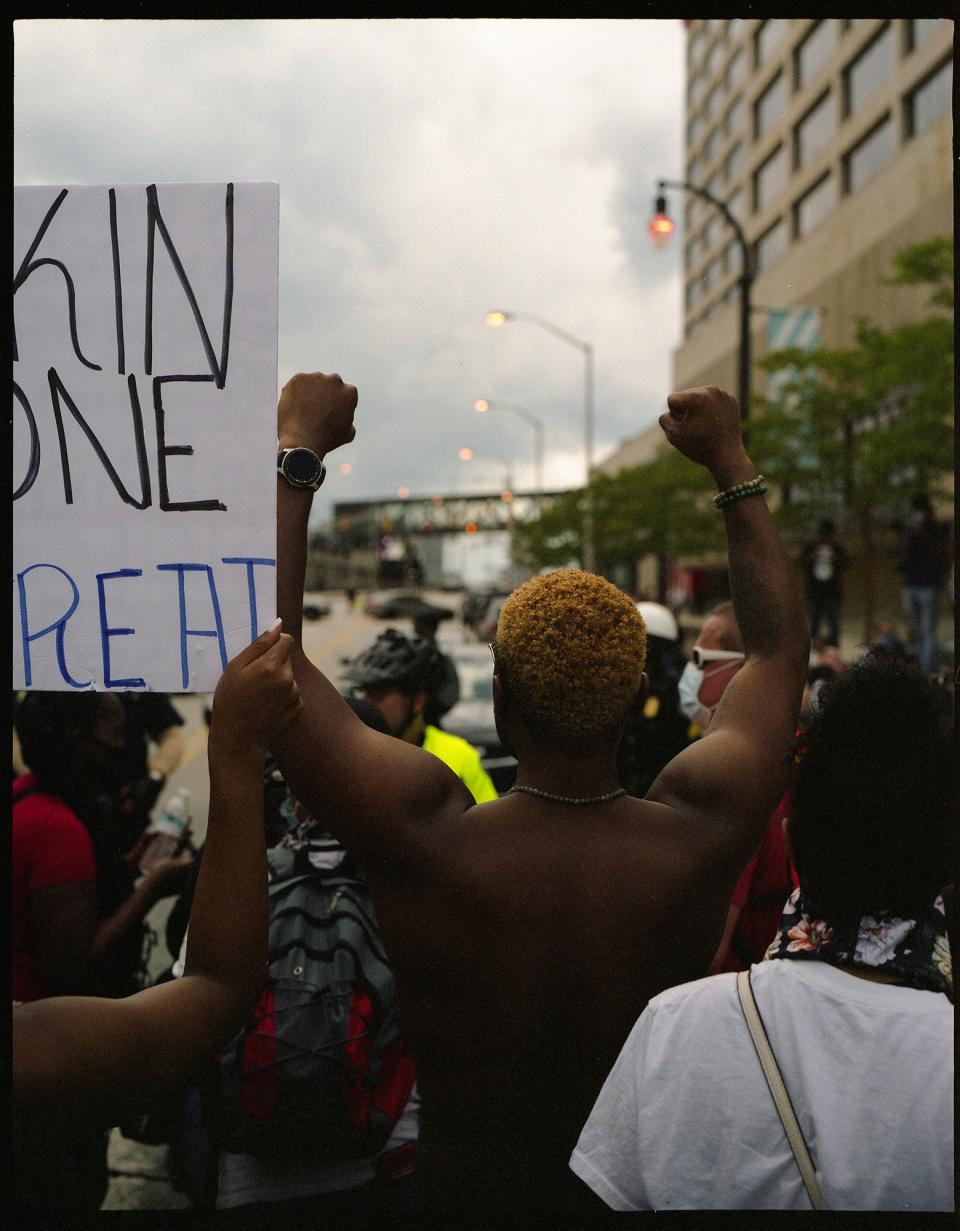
{"points": [[429, 170]]}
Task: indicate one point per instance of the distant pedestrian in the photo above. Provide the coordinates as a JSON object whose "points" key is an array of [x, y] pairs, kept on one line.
{"points": [[445, 692], [824, 560], [924, 562]]}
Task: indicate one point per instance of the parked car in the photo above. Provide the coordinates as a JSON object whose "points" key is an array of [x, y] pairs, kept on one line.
{"points": [[475, 607], [315, 611], [472, 716], [398, 605], [487, 629]]}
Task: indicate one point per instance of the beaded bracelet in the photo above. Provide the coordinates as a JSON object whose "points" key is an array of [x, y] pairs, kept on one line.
{"points": [[749, 487]]}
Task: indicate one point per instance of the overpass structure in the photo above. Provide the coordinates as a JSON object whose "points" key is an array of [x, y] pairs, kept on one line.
{"points": [[362, 524]]}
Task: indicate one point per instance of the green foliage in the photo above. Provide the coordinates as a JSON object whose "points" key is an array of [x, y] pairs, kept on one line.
{"points": [[931, 263], [864, 427], [659, 508]]}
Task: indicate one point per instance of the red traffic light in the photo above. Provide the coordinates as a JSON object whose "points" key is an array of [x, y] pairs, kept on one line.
{"points": [[661, 228]]}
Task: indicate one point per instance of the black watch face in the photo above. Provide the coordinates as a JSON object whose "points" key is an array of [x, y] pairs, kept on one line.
{"points": [[302, 466]]}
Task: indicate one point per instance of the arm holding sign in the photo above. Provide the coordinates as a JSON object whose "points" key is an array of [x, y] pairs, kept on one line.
{"points": [[82, 1063], [328, 754]]}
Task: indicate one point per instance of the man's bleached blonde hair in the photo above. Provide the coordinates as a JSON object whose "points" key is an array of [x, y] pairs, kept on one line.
{"points": [[571, 650]]}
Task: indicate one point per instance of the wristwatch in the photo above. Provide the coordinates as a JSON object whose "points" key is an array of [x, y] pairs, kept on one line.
{"points": [[301, 467]]}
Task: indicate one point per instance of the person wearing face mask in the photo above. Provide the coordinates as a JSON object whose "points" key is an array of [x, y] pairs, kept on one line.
{"points": [[768, 879], [714, 661]]}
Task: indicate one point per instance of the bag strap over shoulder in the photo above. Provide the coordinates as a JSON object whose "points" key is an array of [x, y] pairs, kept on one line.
{"points": [[778, 1090]]}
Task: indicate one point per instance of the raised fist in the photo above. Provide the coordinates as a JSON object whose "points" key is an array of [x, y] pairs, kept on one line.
{"points": [[316, 412], [704, 424]]}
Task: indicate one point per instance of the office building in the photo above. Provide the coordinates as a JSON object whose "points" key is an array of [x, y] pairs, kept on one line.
{"points": [[830, 141]]}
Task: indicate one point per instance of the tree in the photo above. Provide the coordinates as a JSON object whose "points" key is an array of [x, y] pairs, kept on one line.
{"points": [[857, 431], [659, 508]]}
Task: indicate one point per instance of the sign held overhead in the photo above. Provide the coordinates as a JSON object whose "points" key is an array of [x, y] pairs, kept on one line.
{"points": [[144, 395]]}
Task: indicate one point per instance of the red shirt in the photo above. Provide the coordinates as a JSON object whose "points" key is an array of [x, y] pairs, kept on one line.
{"points": [[761, 892], [51, 846]]}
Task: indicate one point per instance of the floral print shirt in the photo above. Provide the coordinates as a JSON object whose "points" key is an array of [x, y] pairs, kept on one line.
{"points": [[915, 950]]}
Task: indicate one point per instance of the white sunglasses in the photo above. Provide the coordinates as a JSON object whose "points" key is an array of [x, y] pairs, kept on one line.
{"points": [[701, 656]]}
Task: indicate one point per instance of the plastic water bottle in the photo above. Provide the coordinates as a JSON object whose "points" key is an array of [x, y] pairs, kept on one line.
{"points": [[169, 829]]}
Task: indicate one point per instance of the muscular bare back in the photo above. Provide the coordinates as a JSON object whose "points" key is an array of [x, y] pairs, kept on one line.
{"points": [[528, 936], [524, 954]]}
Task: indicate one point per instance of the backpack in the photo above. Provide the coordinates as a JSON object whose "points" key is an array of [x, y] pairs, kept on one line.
{"points": [[321, 1067]]}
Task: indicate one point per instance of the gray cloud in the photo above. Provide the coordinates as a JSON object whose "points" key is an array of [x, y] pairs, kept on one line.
{"points": [[429, 170]]}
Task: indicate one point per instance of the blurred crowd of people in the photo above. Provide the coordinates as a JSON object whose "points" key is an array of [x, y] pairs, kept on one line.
{"points": [[545, 1000]]}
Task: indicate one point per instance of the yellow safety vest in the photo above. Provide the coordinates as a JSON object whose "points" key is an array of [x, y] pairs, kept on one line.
{"points": [[463, 759]]}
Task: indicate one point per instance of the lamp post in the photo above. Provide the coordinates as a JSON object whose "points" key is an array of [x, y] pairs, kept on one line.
{"points": [[661, 228], [482, 405], [500, 317]]}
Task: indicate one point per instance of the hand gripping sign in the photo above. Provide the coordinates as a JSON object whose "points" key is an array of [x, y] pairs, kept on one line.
{"points": [[144, 432]]}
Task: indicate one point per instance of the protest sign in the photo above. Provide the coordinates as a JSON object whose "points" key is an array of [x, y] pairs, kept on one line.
{"points": [[144, 432]]}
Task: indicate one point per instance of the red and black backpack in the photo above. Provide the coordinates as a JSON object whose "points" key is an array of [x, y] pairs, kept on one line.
{"points": [[321, 1066]]}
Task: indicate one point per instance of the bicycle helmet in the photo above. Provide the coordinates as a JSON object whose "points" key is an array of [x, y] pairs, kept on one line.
{"points": [[660, 621], [407, 663]]}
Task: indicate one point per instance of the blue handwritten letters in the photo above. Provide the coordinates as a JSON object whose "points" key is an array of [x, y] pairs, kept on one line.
{"points": [[144, 442]]}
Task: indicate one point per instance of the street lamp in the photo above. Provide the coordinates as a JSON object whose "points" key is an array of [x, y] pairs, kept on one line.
{"points": [[661, 228], [481, 405], [499, 317]]}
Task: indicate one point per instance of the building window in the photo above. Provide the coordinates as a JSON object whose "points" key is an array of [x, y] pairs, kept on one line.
{"points": [[770, 106], [734, 28], [695, 46], [867, 157], [713, 273], [814, 52], [929, 101], [767, 38], [732, 258], [770, 179], [919, 29], [693, 169], [694, 249], [710, 232], [694, 291], [735, 69], [714, 58], [695, 129], [771, 245], [813, 206], [733, 162], [713, 144], [733, 117], [713, 101], [713, 183], [695, 91], [814, 131], [868, 72]]}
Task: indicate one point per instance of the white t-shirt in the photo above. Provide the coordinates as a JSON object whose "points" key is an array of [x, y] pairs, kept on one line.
{"points": [[685, 1119]]}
